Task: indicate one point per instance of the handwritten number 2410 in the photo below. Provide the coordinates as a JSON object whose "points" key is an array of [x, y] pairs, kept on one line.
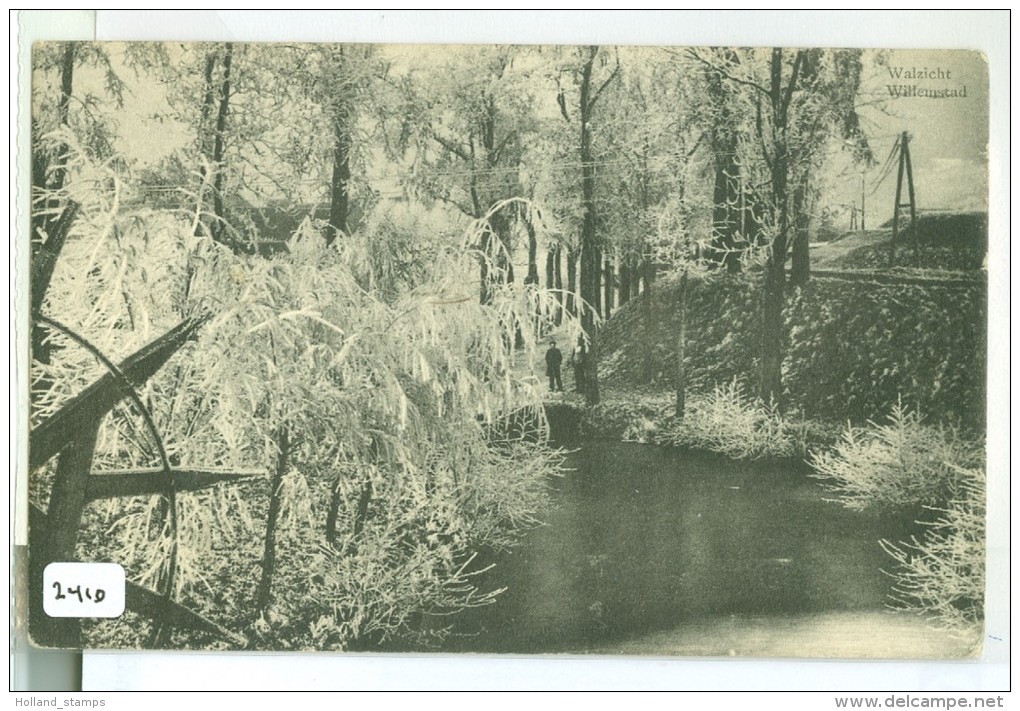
{"points": [[100, 594]]}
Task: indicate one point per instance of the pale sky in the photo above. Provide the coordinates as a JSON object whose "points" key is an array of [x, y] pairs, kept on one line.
{"points": [[948, 145]]}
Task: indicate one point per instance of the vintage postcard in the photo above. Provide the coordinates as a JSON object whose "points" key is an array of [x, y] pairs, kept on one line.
{"points": [[672, 351]]}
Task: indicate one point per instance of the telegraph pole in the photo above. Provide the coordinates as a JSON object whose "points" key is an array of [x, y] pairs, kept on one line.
{"points": [[912, 204], [862, 202]]}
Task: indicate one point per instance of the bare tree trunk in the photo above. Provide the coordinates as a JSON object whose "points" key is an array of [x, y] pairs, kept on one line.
{"points": [[361, 515], [206, 129], [649, 271], [64, 109], [774, 292], [550, 280], [502, 270], [608, 287], [681, 353], [219, 144], [624, 280], [532, 276], [648, 366], [208, 102], [508, 276], [339, 189], [45, 261], [264, 594], [572, 281], [590, 263], [332, 514], [550, 269], [773, 341], [44, 254], [725, 210], [217, 131], [483, 269], [591, 260], [726, 190], [801, 269], [558, 277]]}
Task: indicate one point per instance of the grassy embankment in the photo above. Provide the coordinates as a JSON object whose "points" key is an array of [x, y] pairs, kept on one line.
{"points": [[884, 396], [860, 342]]}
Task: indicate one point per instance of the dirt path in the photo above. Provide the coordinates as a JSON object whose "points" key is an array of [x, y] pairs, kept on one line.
{"points": [[826, 254]]}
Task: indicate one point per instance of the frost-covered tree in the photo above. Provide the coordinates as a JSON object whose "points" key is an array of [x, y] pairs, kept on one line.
{"points": [[792, 102], [463, 126]]}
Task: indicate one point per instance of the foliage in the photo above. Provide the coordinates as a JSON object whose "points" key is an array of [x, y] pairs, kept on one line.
{"points": [[903, 462], [412, 566], [272, 142], [855, 348], [464, 124], [391, 379], [387, 396], [84, 113], [943, 573], [787, 110], [799, 100], [127, 300], [721, 333], [629, 419], [963, 258], [730, 422], [395, 248]]}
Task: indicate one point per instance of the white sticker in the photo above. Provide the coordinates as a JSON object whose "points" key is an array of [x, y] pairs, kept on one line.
{"points": [[83, 590]]}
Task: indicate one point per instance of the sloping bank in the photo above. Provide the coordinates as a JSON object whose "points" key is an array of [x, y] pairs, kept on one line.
{"points": [[885, 400], [857, 345]]}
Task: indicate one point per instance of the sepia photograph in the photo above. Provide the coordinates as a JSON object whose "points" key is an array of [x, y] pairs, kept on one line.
{"points": [[510, 349]]}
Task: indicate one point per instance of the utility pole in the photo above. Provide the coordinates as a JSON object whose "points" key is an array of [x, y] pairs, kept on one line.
{"points": [[862, 202], [912, 204]]}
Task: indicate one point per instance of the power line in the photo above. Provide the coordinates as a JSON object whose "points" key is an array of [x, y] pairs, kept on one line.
{"points": [[508, 171], [886, 168]]}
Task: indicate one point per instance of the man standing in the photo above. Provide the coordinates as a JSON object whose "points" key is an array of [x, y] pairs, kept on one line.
{"points": [[553, 361]]}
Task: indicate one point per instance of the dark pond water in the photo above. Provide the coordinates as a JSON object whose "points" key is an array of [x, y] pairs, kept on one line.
{"points": [[645, 539]]}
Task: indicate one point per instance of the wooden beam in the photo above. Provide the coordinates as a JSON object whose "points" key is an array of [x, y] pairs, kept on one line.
{"points": [[896, 204], [44, 261], [137, 599], [150, 604], [142, 482], [68, 497], [95, 401], [913, 203]]}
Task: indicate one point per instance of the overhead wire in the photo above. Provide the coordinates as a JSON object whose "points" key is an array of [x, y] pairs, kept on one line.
{"points": [[886, 167]]}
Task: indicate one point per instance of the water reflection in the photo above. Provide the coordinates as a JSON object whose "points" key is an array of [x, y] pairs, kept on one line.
{"points": [[647, 539]]}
